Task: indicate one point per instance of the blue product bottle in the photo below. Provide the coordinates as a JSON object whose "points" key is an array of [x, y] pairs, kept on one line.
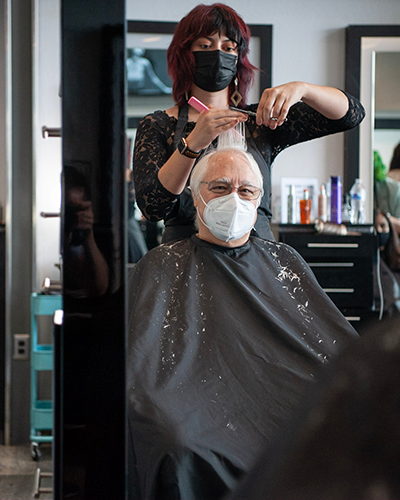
{"points": [[336, 199]]}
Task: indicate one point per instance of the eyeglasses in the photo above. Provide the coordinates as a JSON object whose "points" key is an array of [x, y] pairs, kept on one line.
{"points": [[222, 188]]}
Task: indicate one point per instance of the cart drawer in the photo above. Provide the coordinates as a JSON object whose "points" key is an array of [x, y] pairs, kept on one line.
{"points": [[42, 415], [42, 357], [45, 305]]}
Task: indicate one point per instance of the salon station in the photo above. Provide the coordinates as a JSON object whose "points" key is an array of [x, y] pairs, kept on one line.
{"points": [[199, 231]]}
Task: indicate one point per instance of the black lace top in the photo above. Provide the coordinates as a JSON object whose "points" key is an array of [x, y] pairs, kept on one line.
{"points": [[155, 144]]}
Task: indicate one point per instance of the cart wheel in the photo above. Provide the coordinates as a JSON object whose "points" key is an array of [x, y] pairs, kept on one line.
{"points": [[35, 451]]}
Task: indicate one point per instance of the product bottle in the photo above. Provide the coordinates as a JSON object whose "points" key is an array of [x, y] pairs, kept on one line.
{"points": [[357, 201], [322, 204], [346, 208], [328, 200], [291, 205], [305, 208], [336, 199]]}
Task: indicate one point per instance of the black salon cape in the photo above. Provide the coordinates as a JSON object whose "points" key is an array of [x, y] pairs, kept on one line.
{"points": [[222, 346]]}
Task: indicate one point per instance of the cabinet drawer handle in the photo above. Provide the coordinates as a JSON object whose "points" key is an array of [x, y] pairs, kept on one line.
{"points": [[353, 318], [338, 290], [332, 245], [331, 264]]}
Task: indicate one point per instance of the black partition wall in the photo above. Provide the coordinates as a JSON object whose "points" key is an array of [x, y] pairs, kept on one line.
{"points": [[2, 327], [89, 442]]}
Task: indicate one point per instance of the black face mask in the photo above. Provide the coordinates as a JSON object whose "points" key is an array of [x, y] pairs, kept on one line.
{"points": [[383, 238], [214, 69]]}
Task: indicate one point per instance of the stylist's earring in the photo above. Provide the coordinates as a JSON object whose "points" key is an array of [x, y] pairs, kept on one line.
{"points": [[236, 97], [187, 97]]}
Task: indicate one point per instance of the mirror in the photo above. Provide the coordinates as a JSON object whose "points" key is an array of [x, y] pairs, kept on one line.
{"points": [[387, 104], [365, 49]]}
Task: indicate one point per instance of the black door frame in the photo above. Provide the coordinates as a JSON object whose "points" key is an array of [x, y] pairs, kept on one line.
{"points": [[90, 420]]}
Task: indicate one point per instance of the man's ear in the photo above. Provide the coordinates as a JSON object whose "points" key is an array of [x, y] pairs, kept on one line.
{"points": [[195, 202]]}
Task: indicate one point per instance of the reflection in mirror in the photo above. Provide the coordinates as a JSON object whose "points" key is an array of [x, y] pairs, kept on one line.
{"points": [[387, 104], [193, 392], [148, 83], [149, 89], [89, 273], [364, 44]]}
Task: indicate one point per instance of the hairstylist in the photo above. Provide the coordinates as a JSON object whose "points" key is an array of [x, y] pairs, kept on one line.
{"points": [[207, 59]]}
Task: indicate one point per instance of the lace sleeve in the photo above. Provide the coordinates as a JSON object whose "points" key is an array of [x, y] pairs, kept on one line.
{"points": [[153, 147], [355, 114], [305, 123]]}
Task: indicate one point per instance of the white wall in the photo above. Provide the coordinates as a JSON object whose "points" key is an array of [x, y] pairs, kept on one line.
{"points": [[308, 45], [384, 142], [47, 112]]}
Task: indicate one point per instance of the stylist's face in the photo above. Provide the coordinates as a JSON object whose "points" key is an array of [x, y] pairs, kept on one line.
{"points": [[215, 42], [381, 224]]}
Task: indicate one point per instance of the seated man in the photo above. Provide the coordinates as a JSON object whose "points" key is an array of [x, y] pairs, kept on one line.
{"points": [[227, 332]]}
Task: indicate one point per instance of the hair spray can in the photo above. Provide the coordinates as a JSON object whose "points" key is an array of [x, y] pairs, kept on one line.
{"points": [[336, 199]]}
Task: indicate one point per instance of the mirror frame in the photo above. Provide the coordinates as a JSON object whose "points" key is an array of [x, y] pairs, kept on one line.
{"points": [[354, 35]]}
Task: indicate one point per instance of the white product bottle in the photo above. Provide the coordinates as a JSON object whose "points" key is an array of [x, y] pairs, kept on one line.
{"points": [[291, 205], [357, 201], [322, 204]]}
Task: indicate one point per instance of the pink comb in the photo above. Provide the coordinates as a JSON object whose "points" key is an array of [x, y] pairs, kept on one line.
{"points": [[197, 105]]}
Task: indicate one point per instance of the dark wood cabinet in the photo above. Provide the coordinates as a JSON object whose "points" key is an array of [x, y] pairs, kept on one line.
{"points": [[343, 265]]}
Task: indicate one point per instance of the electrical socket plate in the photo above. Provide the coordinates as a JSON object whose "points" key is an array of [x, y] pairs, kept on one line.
{"points": [[21, 346]]}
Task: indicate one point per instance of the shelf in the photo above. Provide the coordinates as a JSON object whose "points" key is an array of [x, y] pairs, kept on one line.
{"points": [[42, 416], [45, 305], [42, 357], [310, 229]]}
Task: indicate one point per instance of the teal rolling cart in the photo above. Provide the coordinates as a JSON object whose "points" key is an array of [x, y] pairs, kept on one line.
{"points": [[41, 360]]}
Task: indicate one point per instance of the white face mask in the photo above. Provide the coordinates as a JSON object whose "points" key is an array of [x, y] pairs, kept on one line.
{"points": [[229, 217]]}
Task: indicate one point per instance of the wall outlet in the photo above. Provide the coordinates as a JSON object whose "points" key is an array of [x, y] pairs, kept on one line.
{"points": [[21, 346]]}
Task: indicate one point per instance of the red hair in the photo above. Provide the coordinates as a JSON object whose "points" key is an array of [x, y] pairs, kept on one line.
{"points": [[204, 20]]}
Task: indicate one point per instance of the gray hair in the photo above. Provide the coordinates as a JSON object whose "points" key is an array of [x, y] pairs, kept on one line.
{"points": [[201, 167]]}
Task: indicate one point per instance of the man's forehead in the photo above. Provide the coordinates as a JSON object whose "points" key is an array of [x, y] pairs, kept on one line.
{"points": [[229, 160], [230, 164]]}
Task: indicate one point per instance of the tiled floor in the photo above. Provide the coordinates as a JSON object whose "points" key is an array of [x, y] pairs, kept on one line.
{"points": [[17, 472]]}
